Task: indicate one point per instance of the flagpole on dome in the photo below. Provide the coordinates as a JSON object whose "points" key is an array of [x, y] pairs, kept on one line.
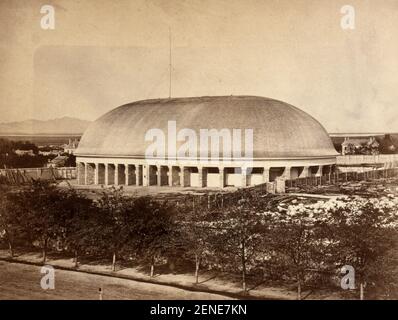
{"points": [[170, 66]]}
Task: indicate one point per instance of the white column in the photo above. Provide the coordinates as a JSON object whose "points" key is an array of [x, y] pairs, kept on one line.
{"points": [[319, 172], [243, 177], [85, 173], [80, 174], [96, 172], [126, 174], [159, 175], [116, 179], [170, 176], [145, 174], [287, 173], [182, 176], [222, 179], [106, 174], [266, 174], [200, 172], [137, 175], [305, 173]]}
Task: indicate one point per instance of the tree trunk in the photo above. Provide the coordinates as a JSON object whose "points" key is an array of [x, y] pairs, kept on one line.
{"points": [[45, 251], [197, 265], [76, 259], [298, 288], [243, 266], [114, 261], [10, 249], [152, 267], [298, 277], [361, 291]]}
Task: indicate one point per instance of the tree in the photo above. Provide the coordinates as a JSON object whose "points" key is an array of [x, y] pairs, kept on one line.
{"points": [[154, 227], [298, 240], [239, 235], [113, 225], [10, 224], [78, 232], [366, 229], [71, 160], [42, 206], [388, 145], [194, 233]]}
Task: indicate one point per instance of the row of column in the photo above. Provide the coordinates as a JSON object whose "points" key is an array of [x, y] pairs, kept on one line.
{"points": [[127, 174], [149, 175]]}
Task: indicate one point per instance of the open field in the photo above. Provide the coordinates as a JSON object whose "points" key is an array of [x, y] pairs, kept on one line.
{"points": [[41, 139], [20, 281]]}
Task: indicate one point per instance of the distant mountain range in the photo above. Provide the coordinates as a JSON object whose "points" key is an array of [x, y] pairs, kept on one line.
{"points": [[65, 125]]}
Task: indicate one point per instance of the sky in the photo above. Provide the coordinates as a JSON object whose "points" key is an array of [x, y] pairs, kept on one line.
{"points": [[105, 53]]}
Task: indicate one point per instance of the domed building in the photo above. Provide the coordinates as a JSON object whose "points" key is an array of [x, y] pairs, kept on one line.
{"points": [[279, 139]]}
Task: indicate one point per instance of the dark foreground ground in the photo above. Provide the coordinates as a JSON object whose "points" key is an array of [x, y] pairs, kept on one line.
{"points": [[20, 281]]}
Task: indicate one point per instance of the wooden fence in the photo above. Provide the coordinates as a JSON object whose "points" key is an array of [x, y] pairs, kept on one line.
{"points": [[385, 159], [24, 175], [334, 178]]}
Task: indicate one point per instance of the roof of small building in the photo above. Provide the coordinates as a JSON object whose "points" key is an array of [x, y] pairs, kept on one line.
{"points": [[360, 141], [280, 130]]}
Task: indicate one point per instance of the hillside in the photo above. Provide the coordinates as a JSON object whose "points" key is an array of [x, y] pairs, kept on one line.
{"points": [[65, 125]]}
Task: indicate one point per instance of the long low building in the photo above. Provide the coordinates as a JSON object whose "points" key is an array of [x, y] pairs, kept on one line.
{"points": [[280, 140]]}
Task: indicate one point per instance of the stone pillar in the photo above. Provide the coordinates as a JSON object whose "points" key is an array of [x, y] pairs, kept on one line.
{"points": [[79, 171], [266, 174], [116, 179], [159, 175], [96, 173], [145, 175], [287, 173], [126, 174], [181, 176], [137, 175], [200, 174], [244, 177], [106, 174], [305, 173], [222, 177], [170, 176], [85, 173]]}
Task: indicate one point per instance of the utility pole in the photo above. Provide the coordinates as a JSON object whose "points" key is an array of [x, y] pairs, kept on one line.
{"points": [[170, 67]]}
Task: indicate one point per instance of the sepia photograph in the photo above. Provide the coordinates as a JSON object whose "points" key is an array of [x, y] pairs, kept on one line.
{"points": [[211, 151]]}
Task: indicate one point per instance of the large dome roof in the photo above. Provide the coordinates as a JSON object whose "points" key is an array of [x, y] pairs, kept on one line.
{"points": [[280, 130]]}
